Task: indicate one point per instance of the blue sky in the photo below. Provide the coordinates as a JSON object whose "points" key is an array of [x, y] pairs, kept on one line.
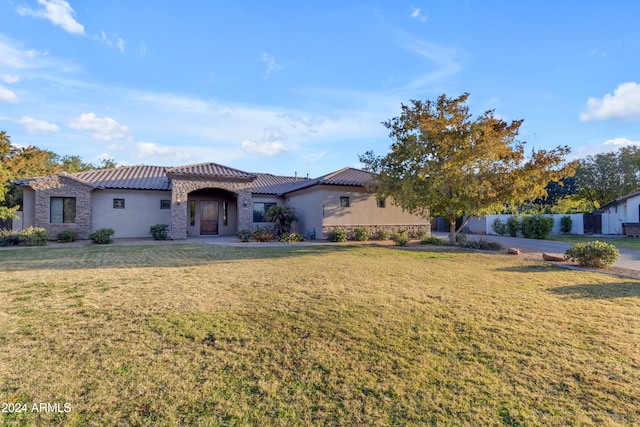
{"points": [[286, 87]]}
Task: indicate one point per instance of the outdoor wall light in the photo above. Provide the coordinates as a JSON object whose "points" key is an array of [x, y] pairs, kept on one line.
{"points": [[245, 202]]}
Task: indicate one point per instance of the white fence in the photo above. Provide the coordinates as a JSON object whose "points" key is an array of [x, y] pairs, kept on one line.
{"points": [[484, 225]]}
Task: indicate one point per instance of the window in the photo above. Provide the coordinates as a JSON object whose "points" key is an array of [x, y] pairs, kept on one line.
{"points": [[62, 210], [165, 204], [344, 202], [192, 213], [259, 210], [381, 203], [118, 203]]}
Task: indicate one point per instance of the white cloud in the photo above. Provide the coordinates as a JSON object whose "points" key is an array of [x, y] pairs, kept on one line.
{"points": [[621, 142], [270, 62], [623, 104], [113, 41], [268, 149], [38, 126], [104, 129], [417, 14], [7, 95], [150, 150], [446, 62], [59, 12], [10, 78]]}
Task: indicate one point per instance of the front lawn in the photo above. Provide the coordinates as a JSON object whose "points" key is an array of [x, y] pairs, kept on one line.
{"points": [[313, 335]]}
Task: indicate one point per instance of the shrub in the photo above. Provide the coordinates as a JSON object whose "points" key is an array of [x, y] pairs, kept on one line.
{"points": [[244, 234], [483, 244], [35, 236], [67, 236], [536, 226], [337, 236], [433, 241], [401, 238], [566, 224], [262, 235], [9, 237], [595, 254], [461, 239], [513, 226], [382, 234], [499, 227], [291, 237], [102, 236], [159, 231], [362, 234]]}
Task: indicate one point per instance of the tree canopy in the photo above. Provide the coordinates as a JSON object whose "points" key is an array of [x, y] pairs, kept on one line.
{"points": [[22, 162], [443, 163], [604, 177]]}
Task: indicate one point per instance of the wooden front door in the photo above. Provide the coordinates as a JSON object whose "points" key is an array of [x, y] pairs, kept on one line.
{"points": [[208, 217]]}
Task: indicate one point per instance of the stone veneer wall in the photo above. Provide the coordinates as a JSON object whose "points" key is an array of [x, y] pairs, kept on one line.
{"points": [[62, 186], [182, 186], [415, 230]]}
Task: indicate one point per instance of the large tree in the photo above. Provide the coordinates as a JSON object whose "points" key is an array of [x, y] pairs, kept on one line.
{"points": [[442, 163], [604, 177]]}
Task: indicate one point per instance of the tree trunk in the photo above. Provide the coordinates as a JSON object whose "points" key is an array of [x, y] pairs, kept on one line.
{"points": [[452, 229]]}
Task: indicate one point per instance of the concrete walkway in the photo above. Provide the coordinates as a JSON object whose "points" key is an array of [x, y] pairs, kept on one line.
{"points": [[629, 259]]}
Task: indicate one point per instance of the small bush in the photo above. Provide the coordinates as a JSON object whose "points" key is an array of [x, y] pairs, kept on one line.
{"points": [[482, 244], [291, 237], [244, 234], [536, 226], [382, 234], [513, 226], [433, 241], [67, 236], [566, 224], [159, 231], [362, 234], [595, 254], [9, 237], [262, 235], [34, 236], [337, 236], [102, 236], [499, 227], [461, 239], [401, 238]]}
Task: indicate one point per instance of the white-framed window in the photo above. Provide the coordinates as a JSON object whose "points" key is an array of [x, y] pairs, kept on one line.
{"points": [[345, 202], [381, 203]]}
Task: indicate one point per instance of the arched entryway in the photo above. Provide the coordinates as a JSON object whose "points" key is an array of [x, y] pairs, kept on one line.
{"points": [[211, 212]]}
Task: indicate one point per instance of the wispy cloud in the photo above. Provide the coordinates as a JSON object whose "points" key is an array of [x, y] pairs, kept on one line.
{"points": [[417, 14], [38, 126], [59, 12], [624, 104], [446, 62], [10, 78], [113, 41], [271, 63], [271, 144], [103, 129], [7, 95]]}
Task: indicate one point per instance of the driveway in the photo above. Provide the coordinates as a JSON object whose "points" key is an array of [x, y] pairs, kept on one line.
{"points": [[629, 259]]}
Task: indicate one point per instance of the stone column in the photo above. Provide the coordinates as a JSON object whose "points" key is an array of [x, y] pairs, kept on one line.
{"points": [[179, 212], [245, 214]]}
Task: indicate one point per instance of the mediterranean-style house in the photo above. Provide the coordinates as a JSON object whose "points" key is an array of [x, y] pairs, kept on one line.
{"points": [[205, 199]]}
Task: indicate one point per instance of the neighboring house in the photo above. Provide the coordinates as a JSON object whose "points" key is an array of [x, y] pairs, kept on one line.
{"points": [[205, 199], [620, 212]]}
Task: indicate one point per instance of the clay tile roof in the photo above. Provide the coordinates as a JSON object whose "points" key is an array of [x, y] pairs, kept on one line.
{"points": [[211, 170], [273, 184], [127, 177], [347, 176]]}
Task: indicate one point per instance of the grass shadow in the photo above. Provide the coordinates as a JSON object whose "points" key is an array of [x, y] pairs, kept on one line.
{"points": [[610, 290]]}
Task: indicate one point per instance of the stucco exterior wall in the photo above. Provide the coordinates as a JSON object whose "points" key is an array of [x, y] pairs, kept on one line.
{"points": [[308, 206], [141, 211], [259, 198]]}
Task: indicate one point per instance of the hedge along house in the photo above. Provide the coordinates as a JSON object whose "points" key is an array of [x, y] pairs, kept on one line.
{"points": [[204, 199]]}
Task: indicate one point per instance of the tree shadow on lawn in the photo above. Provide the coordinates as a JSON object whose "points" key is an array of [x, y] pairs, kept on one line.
{"points": [[610, 290], [170, 256]]}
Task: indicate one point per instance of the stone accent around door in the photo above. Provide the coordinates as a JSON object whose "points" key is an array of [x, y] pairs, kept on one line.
{"points": [[183, 185]]}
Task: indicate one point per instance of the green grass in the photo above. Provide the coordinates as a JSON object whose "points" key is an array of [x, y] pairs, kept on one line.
{"points": [[618, 242], [308, 335]]}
